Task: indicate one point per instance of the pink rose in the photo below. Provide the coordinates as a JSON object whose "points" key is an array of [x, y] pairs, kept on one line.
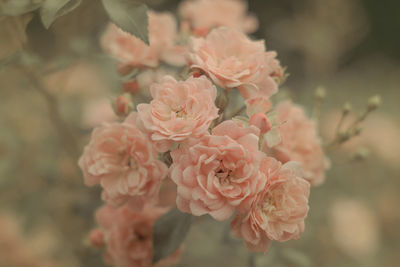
{"points": [[203, 15], [300, 142], [232, 60], [179, 110], [220, 172], [128, 236], [122, 160], [131, 51], [278, 212]]}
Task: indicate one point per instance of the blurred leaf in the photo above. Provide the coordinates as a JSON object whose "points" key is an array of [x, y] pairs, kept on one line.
{"points": [[273, 137], [130, 16], [30, 59], [169, 232], [52, 9], [18, 7]]}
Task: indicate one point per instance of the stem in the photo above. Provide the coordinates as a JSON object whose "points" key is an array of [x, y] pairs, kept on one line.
{"points": [[341, 120], [251, 260], [65, 134]]}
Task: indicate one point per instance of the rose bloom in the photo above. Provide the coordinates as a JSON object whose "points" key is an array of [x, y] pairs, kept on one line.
{"points": [[128, 235], [149, 76], [300, 142], [200, 16], [220, 172], [278, 212], [179, 110], [131, 51], [232, 60], [123, 161]]}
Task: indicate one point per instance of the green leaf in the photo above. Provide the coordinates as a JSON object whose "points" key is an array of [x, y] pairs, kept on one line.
{"points": [[169, 232], [18, 7], [130, 16], [52, 9]]}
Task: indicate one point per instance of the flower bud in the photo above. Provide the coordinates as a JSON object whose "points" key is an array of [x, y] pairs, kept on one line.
{"points": [[203, 31], [261, 121], [96, 238], [320, 93], [374, 102], [361, 154], [346, 108], [124, 69], [131, 87], [123, 104]]}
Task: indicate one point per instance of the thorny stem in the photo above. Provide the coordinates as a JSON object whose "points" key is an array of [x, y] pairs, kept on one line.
{"points": [[56, 119]]}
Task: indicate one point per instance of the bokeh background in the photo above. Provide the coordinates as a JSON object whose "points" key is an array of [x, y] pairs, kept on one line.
{"points": [[351, 47]]}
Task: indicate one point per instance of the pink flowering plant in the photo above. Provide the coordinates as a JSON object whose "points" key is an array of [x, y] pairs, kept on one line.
{"points": [[197, 109]]}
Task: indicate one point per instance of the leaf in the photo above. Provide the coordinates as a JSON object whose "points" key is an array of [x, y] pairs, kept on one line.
{"points": [[18, 7], [130, 16], [273, 137], [169, 232], [52, 9]]}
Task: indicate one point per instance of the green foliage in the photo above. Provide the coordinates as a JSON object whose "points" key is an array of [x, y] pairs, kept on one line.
{"points": [[52, 9], [130, 16], [18, 7], [49, 10], [169, 232]]}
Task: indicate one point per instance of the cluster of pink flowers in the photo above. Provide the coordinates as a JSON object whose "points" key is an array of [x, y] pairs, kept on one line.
{"points": [[254, 168], [128, 235]]}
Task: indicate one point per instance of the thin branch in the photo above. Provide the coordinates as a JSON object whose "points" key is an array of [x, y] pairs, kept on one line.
{"points": [[67, 137]]}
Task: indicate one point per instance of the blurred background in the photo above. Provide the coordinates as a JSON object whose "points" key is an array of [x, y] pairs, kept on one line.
{"points": [[351, 47]]}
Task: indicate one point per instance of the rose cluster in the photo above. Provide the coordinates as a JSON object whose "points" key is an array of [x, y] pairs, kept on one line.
{"points": [[229, 154]]}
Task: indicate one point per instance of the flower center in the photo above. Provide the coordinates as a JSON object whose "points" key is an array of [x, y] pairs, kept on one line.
{"points": [[223, 175], [127, 160], [180, 114], [268, 205]]}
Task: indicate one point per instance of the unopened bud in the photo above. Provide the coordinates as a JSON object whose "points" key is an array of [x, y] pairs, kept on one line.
{"points": [[346, 108], [123, 104], [97, 238], [320, 93], [124, 69], [202, 31], [374, 102], [361, 154], [261, 121], [131, 87]]}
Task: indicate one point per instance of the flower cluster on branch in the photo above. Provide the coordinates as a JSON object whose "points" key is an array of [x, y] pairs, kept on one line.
{"points": [[188, 125]]}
